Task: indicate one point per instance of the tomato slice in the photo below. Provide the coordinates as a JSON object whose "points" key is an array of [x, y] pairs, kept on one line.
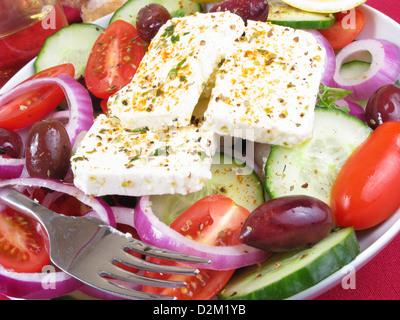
{"points": [[347, 27], [34, 105], [213, 220], [23, 243], [66, 68], [114, 59]]}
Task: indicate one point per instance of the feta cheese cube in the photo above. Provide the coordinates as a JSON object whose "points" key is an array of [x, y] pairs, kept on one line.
{"points": [[172, 75], [266, 89], [115, 160]]}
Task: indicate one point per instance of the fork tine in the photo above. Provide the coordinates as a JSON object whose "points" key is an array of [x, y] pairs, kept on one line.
{"points": [[147, 249], [123, 275], [131, 261]]}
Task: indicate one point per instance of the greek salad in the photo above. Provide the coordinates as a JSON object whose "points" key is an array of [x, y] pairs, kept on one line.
{"points": [[135, 121]]}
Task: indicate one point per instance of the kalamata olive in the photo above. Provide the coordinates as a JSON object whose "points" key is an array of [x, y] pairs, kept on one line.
{"points": [[10, 144], [247, 9], [48, 150], [287, 223], [383, 105], [149, 20]]}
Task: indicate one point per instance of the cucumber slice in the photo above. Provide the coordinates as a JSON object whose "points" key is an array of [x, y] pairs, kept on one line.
{"points": [[353, 69], [130, 9], [71, 44], [229, 178], [285, 274], [285, 15], [312, 167]]}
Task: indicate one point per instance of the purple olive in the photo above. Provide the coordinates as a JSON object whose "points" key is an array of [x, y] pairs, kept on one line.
{"points": [[48, 150], [10, 144], [383, 106], [247, 9], [287, 223], [150, 19]]}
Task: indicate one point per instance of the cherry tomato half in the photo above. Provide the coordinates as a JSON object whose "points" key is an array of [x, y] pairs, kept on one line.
{"points": [[213, 220], [347, 27], [114, 59], [34, 105], [23, 243], [366, 191]]}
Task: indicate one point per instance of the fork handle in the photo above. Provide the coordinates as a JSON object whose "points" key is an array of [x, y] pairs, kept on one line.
{"points": [[26, 205]]}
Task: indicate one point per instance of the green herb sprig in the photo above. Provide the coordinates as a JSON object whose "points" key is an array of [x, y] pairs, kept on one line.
{"points": [[327, 97]]}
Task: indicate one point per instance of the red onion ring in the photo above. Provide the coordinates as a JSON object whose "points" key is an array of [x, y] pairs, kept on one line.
{"points": [[330, 61], [124, 215], [11, 168], [155, 232], [384, 69], [33, 285], [79, 102]]}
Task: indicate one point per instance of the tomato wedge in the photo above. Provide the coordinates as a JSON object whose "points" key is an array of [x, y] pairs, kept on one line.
{"points": [[34, 105], [114, 59], [366, 191], [23, 243], [214, 220], [347, 27]]}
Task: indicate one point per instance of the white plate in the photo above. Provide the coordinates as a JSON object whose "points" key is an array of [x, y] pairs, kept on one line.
{"points": [[373, 240]]}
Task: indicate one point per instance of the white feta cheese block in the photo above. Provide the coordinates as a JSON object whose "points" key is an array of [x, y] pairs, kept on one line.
{"points": [[174, 71], [266, 90], [114, 160]]}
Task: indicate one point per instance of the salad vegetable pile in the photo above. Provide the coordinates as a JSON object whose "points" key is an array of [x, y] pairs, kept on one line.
{"points": [[273, 226]]}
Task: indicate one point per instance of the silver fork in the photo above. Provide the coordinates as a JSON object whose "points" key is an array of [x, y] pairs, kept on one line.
{"points": [[87, 249]]}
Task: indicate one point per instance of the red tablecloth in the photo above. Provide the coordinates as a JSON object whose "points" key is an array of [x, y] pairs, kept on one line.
{"points": [[380, 278]]}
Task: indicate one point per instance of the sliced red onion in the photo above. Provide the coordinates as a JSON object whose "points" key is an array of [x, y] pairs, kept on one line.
{"points": [[61, 116], [384, 69], [80, 104], [11, 168], [51, 284], [44, 285], [124, 215], [330, 62], [151, 230], [355, 109]]}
